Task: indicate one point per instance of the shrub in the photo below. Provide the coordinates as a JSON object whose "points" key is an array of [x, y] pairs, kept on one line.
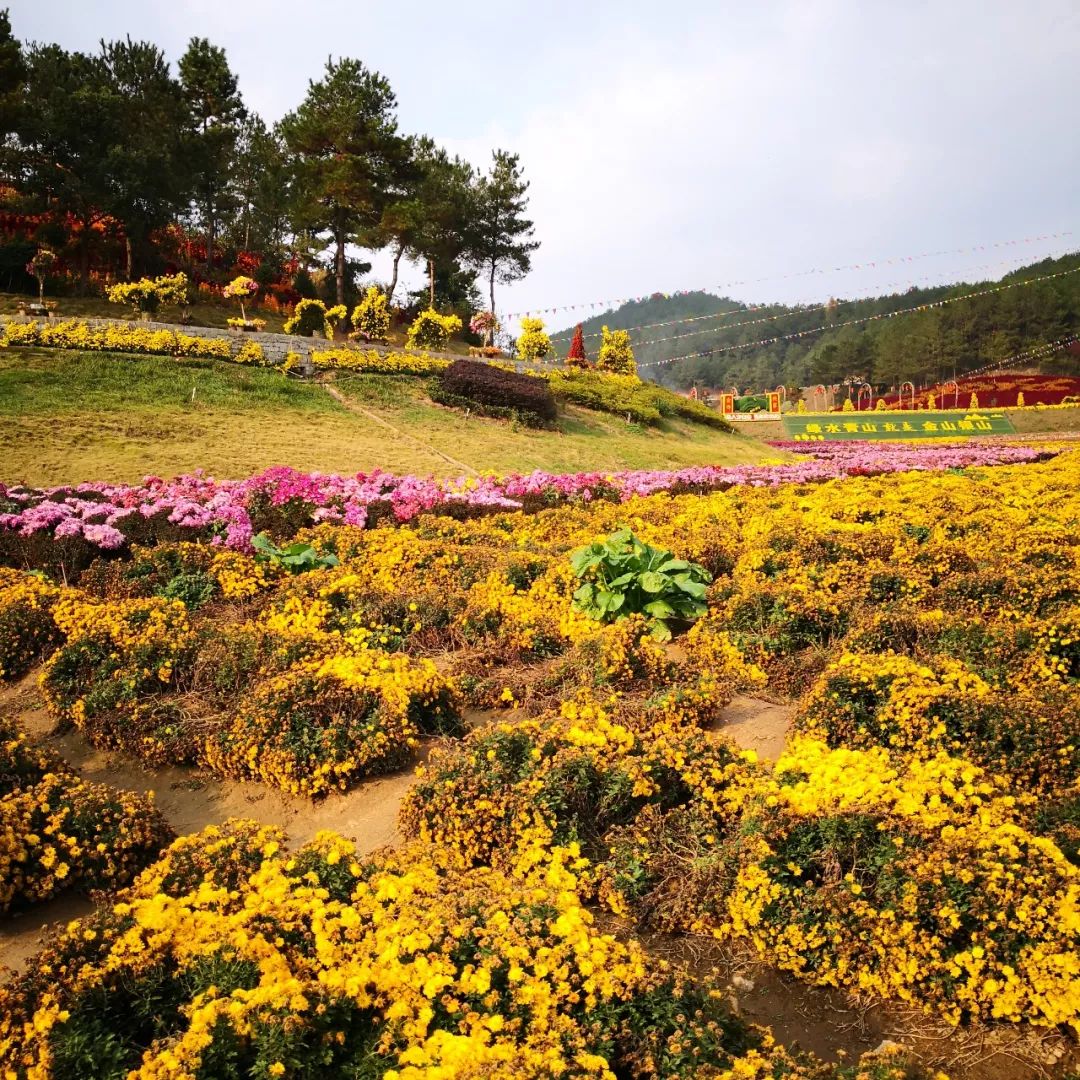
{"points": [[371, 317], [147, 294], [627, 396], [616, 353], [374, 362], [62, 832], [110, 676], [576, 357], [493, 388], [40, 267], [484, 325], [622, 577], [313, 317], [242, 288], [57, 832], [251, 352], [232, 956], [325, 723], [430, 330], [27, 629], [532, 342]]}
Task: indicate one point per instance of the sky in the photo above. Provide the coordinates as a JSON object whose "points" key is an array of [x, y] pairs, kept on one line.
{"points": [[699, 144]]}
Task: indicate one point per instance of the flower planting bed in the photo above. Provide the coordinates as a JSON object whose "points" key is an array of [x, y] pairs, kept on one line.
{"points": [[918, 842], [90, 518]]}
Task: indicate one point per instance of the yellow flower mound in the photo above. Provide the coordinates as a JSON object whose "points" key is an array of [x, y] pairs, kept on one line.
{"points": [[59, 832], [326, 722], [332, 962], [27, 628], [910, 880]]}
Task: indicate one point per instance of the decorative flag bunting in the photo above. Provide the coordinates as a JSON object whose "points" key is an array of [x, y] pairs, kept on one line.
{"points": [[797, 307], [868, 265], [864, 319], [831, 305]]}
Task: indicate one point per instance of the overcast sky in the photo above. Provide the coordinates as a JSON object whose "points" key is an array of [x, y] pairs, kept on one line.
{"points": [[687, 145]]}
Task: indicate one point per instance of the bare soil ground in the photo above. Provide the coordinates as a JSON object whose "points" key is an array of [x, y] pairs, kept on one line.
{"points": [[755, 724]]}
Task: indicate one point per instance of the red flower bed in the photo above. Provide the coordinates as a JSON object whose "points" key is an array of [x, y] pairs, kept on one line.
{"points": [[995, 391]]}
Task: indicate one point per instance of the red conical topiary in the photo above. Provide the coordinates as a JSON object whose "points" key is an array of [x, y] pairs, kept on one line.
{"points": [[576, 357]]}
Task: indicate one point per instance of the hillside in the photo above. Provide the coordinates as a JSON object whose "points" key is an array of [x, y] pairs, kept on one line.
{"points": [[67, 417], [925, 346]]}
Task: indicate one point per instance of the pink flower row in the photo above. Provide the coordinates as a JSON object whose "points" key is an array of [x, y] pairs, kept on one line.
{"points": [[109, 516]]}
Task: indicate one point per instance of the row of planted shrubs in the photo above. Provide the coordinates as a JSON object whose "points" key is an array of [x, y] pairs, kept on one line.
{"points": [[232, 956]]}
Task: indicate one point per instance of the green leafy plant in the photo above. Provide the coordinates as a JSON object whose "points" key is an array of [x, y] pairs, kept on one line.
{"points": [[623, 576], [297, 558]]}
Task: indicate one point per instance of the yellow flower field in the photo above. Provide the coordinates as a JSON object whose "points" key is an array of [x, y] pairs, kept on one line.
{"points": [[918, 841]]}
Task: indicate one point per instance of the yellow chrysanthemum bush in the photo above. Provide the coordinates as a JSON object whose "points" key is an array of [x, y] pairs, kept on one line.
{"points": [[116, 337], [326, 722], [908, 879], [371, 316], [373, 362], [569, 777], [312, 317], [430, 330], [231, 955], [58, 832], [148, 294], [28, 631], [112, 675], [1031, 737]]}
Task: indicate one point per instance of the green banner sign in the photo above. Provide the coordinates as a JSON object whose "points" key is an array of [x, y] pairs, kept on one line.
{"points": [[897, 425]]}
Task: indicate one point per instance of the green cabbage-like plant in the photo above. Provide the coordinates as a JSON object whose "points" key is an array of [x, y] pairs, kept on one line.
{"points": [[297, 558], [623, 576]]}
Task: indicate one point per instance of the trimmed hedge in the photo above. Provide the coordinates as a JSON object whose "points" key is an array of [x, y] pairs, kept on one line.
{"points": [[497, 391], [628, 396]]}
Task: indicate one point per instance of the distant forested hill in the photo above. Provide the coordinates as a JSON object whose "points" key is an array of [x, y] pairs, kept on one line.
{"points": [[923, 346]]}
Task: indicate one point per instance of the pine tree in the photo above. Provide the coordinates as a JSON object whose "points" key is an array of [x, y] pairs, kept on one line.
{"points": [[501, 243], [345, 141], [213, 101]]}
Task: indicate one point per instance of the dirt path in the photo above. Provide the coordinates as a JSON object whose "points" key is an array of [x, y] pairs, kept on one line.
{"points": [[352, 406], [191, 799], [754, 724]]}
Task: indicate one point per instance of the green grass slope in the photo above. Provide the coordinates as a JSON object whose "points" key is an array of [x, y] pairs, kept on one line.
{"points": [[67, 417]]}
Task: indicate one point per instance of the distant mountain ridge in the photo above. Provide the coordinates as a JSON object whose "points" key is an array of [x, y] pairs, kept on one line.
{"points": [[926, 346]]}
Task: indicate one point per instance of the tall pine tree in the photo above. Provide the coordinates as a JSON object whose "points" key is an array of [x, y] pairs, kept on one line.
{"points": [[346, 148], [216, 111], [501, 244]]}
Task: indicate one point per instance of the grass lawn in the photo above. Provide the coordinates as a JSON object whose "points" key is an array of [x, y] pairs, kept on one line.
{"points": [[67, 417], [1033, 421]]}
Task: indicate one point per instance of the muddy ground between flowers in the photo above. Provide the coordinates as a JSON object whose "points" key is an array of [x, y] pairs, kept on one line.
{"points": [[827, 1022]]}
